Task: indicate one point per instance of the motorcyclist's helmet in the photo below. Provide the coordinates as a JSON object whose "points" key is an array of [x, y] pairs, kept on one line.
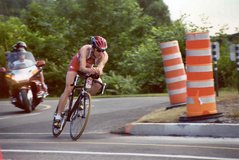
{"points": [[99, 43], [14, 47], [21, 44]]}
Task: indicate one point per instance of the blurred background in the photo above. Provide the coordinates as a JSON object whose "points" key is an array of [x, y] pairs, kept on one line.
{"points": [[55, 30]]}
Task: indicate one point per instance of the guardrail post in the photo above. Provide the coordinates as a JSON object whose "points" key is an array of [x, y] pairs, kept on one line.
{"points": [[215, 53], [237, 62]]}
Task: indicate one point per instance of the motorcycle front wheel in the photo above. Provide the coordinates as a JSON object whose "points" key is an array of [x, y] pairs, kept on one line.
{"points": [[26, 100]]}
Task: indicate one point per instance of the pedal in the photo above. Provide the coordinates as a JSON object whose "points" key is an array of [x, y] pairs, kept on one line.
{"points": [[57, 124]]}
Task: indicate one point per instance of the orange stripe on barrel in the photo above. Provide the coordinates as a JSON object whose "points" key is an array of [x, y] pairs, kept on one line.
{"points": [[170, 50], [172, 62], [198, 60], [198, 44], [192, 76], [178, 98], [204, 109], [176, 85], [175, 73], [200, 91]]}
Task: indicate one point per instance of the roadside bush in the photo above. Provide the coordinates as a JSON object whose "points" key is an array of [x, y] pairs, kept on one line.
{"points": [[117, 84]]}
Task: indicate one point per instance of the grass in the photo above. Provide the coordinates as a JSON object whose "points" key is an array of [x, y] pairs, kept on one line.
{"points": [[163, 115], [132, 95], [227, 103], [119, 96]]}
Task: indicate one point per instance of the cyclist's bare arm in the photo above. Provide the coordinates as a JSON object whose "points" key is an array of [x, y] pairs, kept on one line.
{"points": [[102, 63], [83, 55]]}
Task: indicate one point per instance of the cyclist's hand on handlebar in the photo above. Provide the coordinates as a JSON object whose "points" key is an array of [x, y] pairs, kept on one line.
{"points": [[95, 76], [95, 70], [94, 73]]}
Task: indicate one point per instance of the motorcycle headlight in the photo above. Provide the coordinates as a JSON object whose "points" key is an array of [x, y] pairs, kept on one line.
{"points": [[34, 71], [8, 76]]}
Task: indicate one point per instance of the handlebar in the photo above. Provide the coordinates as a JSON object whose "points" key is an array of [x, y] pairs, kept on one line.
{"points": [[94, 76]]}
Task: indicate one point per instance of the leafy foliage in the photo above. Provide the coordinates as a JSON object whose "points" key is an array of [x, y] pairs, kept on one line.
{"points": [[117, 84], [54, 30], [12, 7], [156, 9]]}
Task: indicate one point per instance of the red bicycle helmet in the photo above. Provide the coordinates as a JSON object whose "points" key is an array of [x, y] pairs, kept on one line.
{"points": [[99, 43]]}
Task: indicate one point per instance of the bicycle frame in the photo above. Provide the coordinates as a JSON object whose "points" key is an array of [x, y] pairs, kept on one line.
{"points": [[71, 98], [75, 110]]}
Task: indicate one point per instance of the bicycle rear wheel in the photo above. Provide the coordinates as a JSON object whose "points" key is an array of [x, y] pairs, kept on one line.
{"points": [[80, 116]]}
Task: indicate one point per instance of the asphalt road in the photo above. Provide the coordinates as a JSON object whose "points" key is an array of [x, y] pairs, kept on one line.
{"points": [[28, 136]]}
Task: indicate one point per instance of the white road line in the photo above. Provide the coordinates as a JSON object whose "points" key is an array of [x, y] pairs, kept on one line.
{"points": [[19, 116], [116, 154], [28, 133], [45, 107], [25, 141], [43, 133]]}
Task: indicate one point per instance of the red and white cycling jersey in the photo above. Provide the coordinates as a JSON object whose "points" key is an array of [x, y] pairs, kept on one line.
{"points": [[75, 61]]}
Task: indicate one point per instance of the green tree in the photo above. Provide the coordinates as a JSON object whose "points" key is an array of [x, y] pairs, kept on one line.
{"points": [[227, 73], [120, 22], [145, 61], [11, 30], [12, 7], [132, 30], [156, 9]]}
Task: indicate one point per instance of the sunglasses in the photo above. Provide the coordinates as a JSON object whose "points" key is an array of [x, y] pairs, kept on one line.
{"points": [[100, 50]]}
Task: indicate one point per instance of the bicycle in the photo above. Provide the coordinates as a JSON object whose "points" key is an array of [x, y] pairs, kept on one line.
{"points": [[77, 110]]}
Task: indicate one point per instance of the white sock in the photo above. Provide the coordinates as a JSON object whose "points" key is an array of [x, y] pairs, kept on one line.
{"points": [[58, 117]]}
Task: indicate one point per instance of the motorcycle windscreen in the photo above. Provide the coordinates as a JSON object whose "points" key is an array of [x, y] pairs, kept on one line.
{"points": [[20, 60]]}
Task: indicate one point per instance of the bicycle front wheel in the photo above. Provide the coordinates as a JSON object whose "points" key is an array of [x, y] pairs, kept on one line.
{"points": [[80, 116]]}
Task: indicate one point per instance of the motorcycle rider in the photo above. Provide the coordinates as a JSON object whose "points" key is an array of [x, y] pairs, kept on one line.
{"points": [[19, 54], [17, 49]]}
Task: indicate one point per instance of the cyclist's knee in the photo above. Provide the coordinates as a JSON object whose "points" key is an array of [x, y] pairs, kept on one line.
{"points": [[95, 89], [68, 90]]}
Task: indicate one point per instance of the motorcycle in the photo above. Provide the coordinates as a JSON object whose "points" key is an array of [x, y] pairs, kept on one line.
{"points": [[24, 85]]}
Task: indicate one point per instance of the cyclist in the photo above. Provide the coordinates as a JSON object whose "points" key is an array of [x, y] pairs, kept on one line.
{"points": [[90, 59]]}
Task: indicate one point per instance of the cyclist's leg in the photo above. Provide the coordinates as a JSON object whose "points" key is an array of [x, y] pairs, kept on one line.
{"points": [[67, 91], [96, 87]]}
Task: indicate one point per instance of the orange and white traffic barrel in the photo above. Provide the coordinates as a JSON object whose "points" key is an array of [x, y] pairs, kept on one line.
{"points": [[201, 99], [175, 74]]}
